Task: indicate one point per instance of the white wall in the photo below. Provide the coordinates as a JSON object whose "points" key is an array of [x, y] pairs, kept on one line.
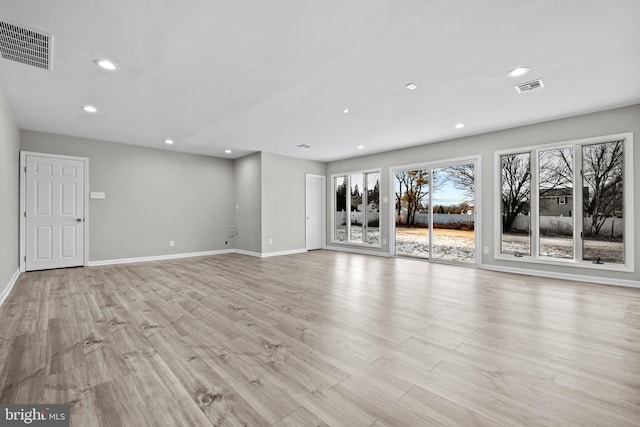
{"points": [[283, 201], [152, 197], [614, 121], [9, 195], [248, 201]]}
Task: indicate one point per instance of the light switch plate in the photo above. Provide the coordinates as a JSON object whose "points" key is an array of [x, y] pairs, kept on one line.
{"points": [[98, 195]]}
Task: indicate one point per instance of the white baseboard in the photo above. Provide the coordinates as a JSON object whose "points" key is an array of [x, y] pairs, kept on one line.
{"points": [[356, 251], [157, 258], [249, 253], [7, 290], [280, 253], [193, 254], [565, 276]]}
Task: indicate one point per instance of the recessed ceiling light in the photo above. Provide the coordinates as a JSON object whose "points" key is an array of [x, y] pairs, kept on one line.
{"points": [[347, 110], [459, 125], [303, 146], [411, 86], [360, 147], [90, 109], [106, 64], [168, 141], [520, 71], [228, 151]]}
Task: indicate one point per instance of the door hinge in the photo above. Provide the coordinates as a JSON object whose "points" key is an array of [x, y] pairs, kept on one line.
{"points": [[25, 258], [25, 214], [25, 169]]}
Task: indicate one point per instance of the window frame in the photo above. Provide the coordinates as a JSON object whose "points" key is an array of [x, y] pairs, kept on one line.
{"points": [[347, 176], [576, 261]]}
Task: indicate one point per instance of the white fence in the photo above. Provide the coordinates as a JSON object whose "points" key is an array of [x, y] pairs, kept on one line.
{"points": [[423, 218], [341, 217], [563, 225]]}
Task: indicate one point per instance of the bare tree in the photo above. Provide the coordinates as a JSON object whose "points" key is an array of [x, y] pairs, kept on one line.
{"points": [[555, 168], [416, 187], [399, 193], [602, 169], [516, 187], [464, 179], [416, 184]]}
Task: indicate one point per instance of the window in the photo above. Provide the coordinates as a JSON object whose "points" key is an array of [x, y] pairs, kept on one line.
{"points": [[539, 198], [515, 188], [340, 203], [603, 202], [357, 213], [555, 221]]}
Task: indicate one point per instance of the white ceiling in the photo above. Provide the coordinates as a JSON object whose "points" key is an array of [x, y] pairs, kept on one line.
{"points": [[255, 75]]}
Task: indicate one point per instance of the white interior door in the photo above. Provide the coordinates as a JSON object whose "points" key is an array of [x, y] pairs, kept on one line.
{"points": [[54, 212], [315, 196]]}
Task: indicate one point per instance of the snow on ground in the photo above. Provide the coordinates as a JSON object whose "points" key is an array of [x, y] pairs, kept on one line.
{"points": [[457, 245], [451, 245], [562, 247], [373, 234]]}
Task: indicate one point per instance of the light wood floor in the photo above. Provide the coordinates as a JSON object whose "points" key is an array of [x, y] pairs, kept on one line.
{"points": [[322, 338]]}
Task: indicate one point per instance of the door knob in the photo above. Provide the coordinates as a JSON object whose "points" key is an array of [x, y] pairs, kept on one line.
{"points": [[78, 219]]}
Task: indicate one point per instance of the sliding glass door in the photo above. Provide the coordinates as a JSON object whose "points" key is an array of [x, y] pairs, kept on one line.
{"points": [[435, 212], [453, 213], [412, 213]]}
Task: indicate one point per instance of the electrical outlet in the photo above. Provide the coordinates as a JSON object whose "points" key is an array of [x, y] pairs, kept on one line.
{"points": [[270, 241], [486, 250], [171, 243], [384, 241]]}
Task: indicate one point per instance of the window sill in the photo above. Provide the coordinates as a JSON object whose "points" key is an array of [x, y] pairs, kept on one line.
{"points": [[567, 263], [360, 244]]}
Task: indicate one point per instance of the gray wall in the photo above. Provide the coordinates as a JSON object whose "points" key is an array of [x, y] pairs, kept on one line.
{"points": [[619, 120], [284, 201], [152, 197], [9, 194], [248, 200]]}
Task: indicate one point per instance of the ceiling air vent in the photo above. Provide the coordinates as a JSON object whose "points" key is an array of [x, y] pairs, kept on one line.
{"points": [[528, 86], [25, 45]]}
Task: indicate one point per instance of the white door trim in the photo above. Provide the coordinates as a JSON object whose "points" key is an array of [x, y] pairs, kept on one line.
{"points": [[23, 178], [323, 196]]}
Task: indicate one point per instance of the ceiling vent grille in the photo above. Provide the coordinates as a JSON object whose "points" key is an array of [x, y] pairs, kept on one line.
{"points": [[25, 45], [529, 86]]}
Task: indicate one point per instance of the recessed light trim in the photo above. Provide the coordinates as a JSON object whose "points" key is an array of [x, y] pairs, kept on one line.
{"points": [[228, 151], [105, 64], [89, 109], [518, 71], [411, 86], [169, 141], [459, 125], [303, 146]]}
